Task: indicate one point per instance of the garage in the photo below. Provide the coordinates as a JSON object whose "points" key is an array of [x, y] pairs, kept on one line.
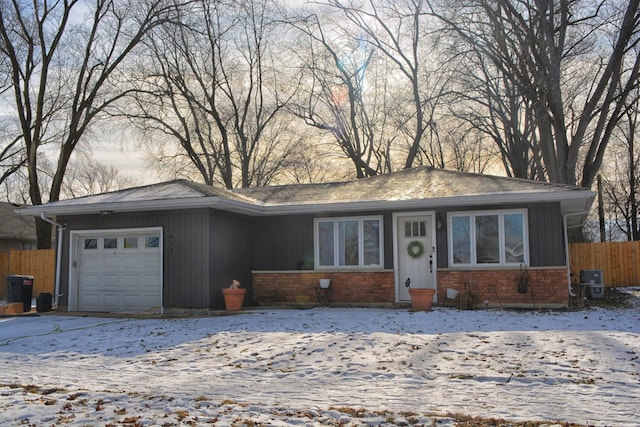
{"points": [[117, 270]]}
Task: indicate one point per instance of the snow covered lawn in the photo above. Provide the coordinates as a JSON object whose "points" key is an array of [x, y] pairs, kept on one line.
{"points": [[324, 366]]}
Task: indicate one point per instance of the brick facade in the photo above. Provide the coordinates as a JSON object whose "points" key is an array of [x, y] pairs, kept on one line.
{"points": [[347, 287], [546, 287]]}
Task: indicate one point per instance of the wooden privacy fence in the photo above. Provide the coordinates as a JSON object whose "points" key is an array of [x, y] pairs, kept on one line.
{"points": [[619, 261], [39, 263]]}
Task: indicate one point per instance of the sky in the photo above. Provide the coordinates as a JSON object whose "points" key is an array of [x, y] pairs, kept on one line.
{"points": [[326, 366], [129, 161]]}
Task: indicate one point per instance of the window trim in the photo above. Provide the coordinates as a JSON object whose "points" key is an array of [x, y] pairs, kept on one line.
{"points": [[501, 236], [336, 246]]}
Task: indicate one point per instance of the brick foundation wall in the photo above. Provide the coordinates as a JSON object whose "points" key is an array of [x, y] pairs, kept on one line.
{"points": [[347, 287], [547, 287]]}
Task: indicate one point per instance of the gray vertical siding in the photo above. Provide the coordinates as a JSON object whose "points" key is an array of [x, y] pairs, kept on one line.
{"points": [[286, 242], [186, 255], [282, 242], [186, 251], [230, 256], [546, 235], [204, 249], [441, 240]]}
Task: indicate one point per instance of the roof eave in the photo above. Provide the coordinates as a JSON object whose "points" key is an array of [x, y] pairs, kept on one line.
{"points": [[570, 201], [141, 206]]}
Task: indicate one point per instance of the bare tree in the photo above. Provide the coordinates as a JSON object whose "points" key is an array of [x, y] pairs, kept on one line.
{"points": [[557, 52], [621, 183], [400, 31], [468, 149], [346, 93], [86, 176], [490, 102], [64, 62], [212, 84]]}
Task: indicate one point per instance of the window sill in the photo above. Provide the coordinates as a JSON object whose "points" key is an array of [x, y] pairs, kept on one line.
{"points": [[327, 270], [499, 267]]}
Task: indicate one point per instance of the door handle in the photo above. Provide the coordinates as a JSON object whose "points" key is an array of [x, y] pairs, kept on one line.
{"points": [[430, 263]]}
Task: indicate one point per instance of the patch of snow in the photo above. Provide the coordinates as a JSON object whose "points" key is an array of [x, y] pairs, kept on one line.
{"points": [[329, 366]]}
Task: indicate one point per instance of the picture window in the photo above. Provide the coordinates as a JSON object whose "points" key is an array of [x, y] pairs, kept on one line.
{"points": [[348, 242], [488, 238]]}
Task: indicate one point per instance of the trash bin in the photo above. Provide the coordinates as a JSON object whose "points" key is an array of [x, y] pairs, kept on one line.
{"points": [[44, 302], [20, 289]]}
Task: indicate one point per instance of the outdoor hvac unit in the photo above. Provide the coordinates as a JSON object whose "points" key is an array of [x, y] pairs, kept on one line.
{"points": [[594, 281]]}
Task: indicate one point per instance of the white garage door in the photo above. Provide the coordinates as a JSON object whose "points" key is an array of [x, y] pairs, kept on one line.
{"points": [[119, 271]]}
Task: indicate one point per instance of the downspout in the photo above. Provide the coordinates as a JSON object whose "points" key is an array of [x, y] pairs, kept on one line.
{"points": [[566, 248], [58, 255]]}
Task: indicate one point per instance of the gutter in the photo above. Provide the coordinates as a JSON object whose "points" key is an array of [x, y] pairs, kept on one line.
{"points": [[566, 247], [258, 208], [60, 228]]}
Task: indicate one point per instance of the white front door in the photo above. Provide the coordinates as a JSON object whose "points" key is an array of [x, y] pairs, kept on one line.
{"points": [[415, 253]]}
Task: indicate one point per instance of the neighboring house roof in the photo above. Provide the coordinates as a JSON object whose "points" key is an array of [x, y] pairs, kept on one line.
{"points": [[14, 226], [420, 187]]}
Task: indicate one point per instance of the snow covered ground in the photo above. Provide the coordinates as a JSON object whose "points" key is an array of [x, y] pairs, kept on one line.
{"points": [[328, 366]]}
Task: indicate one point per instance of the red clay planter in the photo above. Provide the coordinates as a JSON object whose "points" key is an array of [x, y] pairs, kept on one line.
{"points": [[421, 298], [233, 298]]}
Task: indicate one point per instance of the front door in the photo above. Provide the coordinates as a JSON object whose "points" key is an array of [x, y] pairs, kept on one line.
{"points": [[416, 253]]}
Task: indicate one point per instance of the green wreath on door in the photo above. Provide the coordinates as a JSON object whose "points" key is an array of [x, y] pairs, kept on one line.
{"points": [[415, 249]]}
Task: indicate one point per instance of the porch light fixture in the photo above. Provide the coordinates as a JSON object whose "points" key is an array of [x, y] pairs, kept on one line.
{"points": [[439, 220]]}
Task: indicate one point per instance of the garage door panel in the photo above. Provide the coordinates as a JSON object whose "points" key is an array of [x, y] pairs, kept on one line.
{"points": [[131, 262], [90, 280], [150, 262], [131, 301], [149, 281], [89, 299], [110, 281], [92, 263], [119, 278], [130, 282], [109, 262], [111, 299]]}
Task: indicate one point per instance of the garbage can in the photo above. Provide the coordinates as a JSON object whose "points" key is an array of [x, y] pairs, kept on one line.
{"points": [[44, 302], [20, 289]]}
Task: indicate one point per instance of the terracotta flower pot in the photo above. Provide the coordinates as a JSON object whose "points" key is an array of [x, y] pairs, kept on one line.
{"points": [[233, 298], [421, 298]]}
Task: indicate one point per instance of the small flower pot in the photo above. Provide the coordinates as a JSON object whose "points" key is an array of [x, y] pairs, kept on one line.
{"points": [[233, 298], [421, 298], [325, 283]]}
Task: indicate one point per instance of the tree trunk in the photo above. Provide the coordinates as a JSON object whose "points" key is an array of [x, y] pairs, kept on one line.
{"points": [[44, 233]]}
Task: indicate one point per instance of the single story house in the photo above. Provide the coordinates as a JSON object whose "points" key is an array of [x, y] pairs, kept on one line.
{"points": [[16, 231], [176, 245]]}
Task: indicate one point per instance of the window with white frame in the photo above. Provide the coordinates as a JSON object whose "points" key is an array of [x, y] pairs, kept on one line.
{"points": [[488, 238], [348, 242]]}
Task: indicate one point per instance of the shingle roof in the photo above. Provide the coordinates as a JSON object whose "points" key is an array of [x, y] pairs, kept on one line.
{"points": [[420, 183], [420, 187], [14, 226], [171, 190]]}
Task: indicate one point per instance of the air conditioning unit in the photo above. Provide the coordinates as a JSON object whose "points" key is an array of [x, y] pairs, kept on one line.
{"points": [[591, 277], [594, 281]]}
